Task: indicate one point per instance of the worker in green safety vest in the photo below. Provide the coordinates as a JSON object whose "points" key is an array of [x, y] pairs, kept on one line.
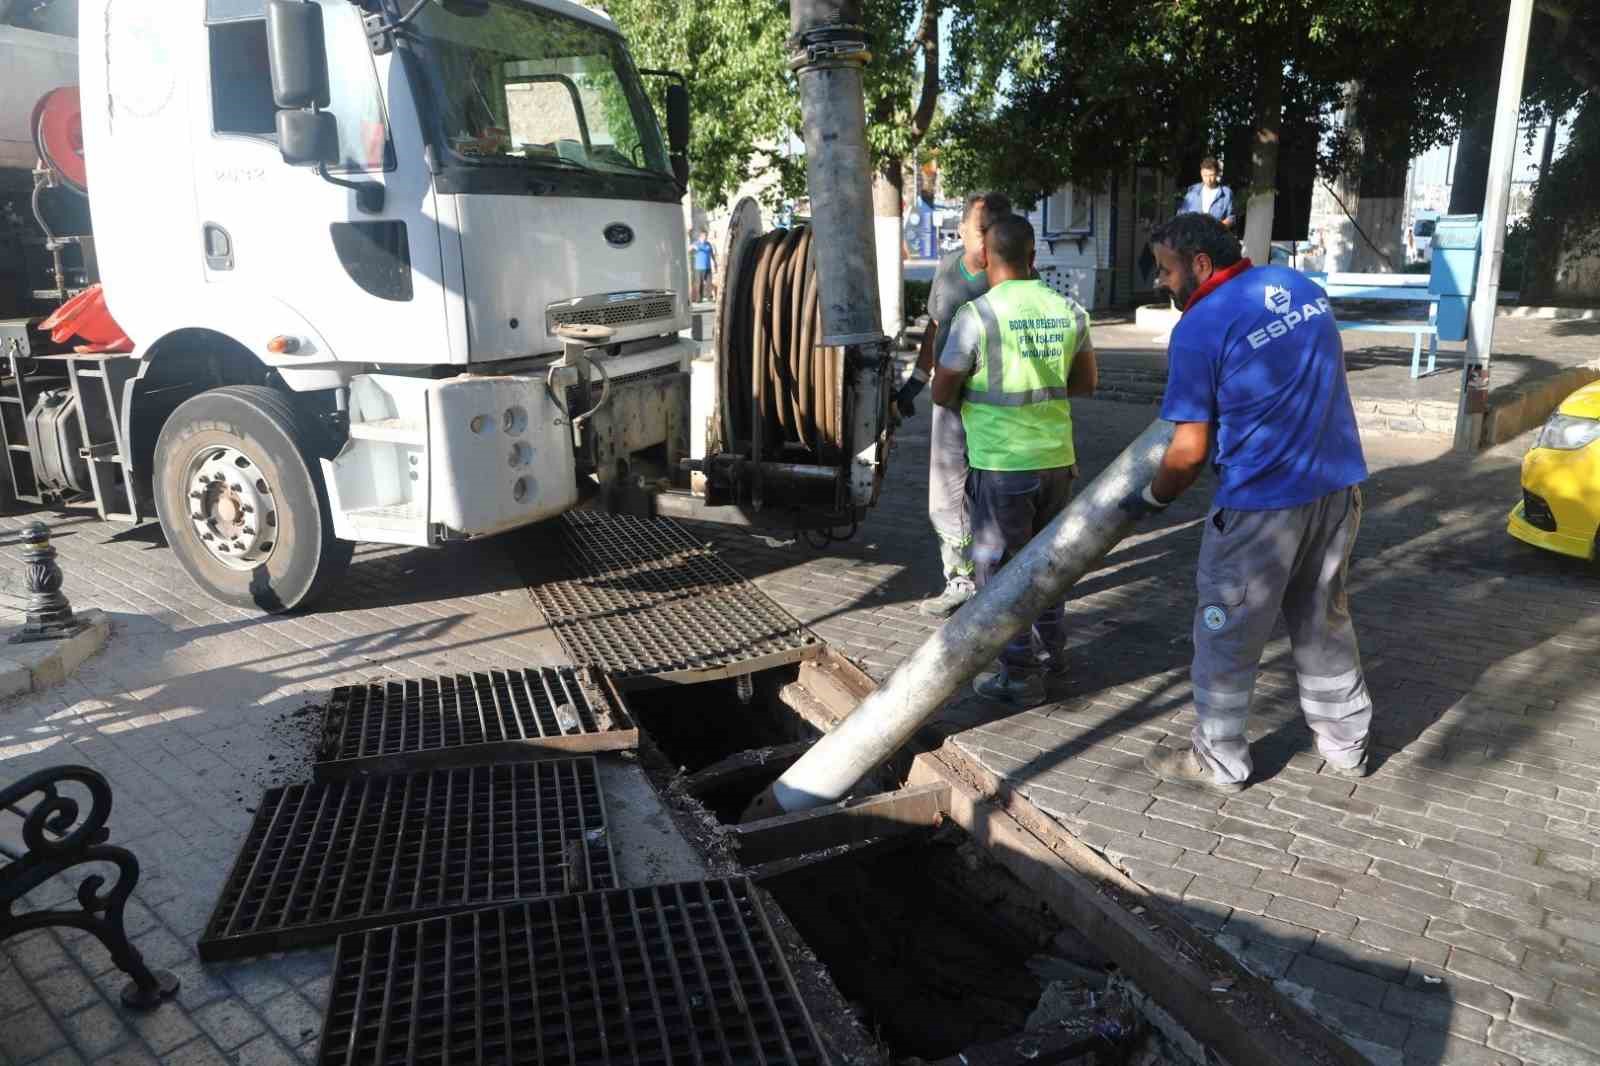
{"points": [[1013, 357]]}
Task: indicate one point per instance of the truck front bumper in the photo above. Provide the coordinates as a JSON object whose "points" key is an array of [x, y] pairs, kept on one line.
{"points": [[434, 460]]}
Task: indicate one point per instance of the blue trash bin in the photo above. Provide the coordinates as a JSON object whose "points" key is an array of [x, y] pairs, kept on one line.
{"points": [[1457, 242]]}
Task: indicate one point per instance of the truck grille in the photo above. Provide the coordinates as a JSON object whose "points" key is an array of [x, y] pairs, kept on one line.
{"points": [[639, 598], [614, 309], [686, 973], [464, 719], [321, 860]]}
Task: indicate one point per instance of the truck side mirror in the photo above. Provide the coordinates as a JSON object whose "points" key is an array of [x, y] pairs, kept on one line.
{"points": [[678, 130], [308, 138], [297, 55], [678, 118]]}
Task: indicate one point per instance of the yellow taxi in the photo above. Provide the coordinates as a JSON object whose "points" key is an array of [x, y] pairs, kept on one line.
{"points": [[1560, 507]]}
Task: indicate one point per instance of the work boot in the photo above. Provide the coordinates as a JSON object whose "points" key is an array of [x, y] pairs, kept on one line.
{"points": [[1356, 771], [957, 590], [1183, 767], [1014, 688]]}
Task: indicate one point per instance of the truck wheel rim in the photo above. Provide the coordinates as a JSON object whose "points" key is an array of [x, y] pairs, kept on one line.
{"points": [[232, 507]]}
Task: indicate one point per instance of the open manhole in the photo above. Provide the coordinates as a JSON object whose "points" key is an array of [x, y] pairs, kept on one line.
{"points": [[682, 973], [467, 719], [644, 601], [323, 859]]}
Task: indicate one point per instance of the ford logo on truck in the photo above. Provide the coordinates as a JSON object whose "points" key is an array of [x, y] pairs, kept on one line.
{"points": [[619, 234]]}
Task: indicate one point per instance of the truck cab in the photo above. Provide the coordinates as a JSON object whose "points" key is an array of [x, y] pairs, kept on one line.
{"points": [[363, 341]]}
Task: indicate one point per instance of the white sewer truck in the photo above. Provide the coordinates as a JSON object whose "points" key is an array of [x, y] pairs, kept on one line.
{"points": [[396, 271]]}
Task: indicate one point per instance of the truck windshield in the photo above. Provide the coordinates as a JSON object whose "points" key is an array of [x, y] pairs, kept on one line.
{"points": [[528, 87]]}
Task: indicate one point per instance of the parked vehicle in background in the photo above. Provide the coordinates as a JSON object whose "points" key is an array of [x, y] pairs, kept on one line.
{"points": [[1560, 506], [1419, 238]]}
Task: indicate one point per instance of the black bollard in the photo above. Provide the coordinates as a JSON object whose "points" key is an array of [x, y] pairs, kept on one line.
{"points": [[49, 614]]}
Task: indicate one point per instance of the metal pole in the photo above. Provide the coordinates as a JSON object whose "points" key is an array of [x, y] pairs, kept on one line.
{"points": [[1036, 578], [1474, 400]]}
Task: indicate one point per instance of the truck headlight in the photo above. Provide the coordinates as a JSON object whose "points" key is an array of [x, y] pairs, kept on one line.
{"points": [[1568, 432]]}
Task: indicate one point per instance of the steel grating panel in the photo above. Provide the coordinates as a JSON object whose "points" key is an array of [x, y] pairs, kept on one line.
{"points": [[643, 600], [688, 973], [462, 719], [324, 859]]}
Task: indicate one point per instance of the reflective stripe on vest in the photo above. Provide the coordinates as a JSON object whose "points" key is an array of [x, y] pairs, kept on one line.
{"points": [[1038, 435]]}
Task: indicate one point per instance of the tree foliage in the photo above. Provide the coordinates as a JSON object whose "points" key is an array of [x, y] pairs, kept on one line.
{"points": [[743, 96], [1072, 90]]}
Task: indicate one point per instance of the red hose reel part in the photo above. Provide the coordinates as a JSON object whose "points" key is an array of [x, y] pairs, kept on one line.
{"points": [[58, 136]]}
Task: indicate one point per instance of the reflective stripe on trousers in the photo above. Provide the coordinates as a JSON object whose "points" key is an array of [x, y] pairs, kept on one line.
{"points": [[1254, 564]]}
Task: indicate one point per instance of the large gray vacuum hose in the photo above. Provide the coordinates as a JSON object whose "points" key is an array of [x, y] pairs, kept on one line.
{"points": [[1037, 577], [829, 49]]}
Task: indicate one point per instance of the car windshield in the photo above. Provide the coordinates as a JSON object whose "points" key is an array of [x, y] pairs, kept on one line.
{"points": [[525, 86]]}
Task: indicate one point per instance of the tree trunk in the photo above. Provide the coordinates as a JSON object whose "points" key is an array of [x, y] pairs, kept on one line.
{"points": [[1264, 158], [1470, 182], [888, 210], [1380, 241]]}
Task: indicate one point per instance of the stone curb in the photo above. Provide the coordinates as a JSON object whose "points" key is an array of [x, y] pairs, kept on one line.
{"points": [[31, 667], [1524, 406], [1560, 314]]}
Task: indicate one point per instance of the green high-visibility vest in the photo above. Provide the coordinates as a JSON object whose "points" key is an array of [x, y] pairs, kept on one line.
{"points": [[1015, 407]]}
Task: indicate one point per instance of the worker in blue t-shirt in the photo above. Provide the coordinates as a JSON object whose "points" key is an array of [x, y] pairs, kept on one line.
{"points": [[1256, 380], [704, 261]]}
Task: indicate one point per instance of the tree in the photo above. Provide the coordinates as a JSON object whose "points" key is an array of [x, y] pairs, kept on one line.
{"points": [[1565, 217], [1095, 85], [745, 103]]}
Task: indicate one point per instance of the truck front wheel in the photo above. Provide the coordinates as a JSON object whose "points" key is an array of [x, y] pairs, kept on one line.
{"points": [[242, 502]]}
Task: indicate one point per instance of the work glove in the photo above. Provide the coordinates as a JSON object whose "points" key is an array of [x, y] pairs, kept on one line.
{"points": [[1142, 504], [906, 398]]}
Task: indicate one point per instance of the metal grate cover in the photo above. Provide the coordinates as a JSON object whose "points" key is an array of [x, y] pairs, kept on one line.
{"points": [[462, 719], [687, 973], [323, 859], [641, 599]]}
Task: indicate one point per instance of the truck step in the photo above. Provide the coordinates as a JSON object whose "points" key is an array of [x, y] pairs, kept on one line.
{"points": [[391, 431]]}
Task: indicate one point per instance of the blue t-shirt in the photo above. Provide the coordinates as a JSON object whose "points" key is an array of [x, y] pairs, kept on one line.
{"points": [[1259, 357], [702, 254]]}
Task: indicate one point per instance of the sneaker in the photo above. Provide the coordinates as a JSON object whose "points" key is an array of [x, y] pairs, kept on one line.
{"points": [[1014, 689], [1182, 766], [1357, 771], [956, 592]]}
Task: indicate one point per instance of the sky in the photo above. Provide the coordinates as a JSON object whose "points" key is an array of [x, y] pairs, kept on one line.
{"points": [[1433, 167]]}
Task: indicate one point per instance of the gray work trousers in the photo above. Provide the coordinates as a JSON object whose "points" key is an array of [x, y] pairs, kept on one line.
{"points": [[1254, 564], [949, 501], [1010, 508]]}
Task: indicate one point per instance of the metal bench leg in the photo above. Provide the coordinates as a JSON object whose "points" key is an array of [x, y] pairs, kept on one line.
{"points": [[1433, 352], [1416, 355]]}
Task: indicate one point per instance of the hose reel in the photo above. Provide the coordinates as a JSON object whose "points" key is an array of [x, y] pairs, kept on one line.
{"points": [[783, 422]]}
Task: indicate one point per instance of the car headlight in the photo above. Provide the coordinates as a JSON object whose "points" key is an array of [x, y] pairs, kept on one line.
{"points": [[1568, 432]]}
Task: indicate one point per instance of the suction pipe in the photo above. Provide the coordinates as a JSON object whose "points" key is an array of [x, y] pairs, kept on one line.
{"points": [[1038, 576]]}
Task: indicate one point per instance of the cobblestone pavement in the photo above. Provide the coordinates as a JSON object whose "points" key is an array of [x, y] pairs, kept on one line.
{"points": [[1444, 910], [191, 711], [1380, 363]]}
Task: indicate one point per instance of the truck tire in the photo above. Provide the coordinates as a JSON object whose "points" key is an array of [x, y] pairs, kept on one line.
{"points": [[242, 502]]}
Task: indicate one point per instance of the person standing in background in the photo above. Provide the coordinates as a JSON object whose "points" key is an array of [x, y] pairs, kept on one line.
{"points": [[961, 277], [1210, 197], [703, 261]]}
